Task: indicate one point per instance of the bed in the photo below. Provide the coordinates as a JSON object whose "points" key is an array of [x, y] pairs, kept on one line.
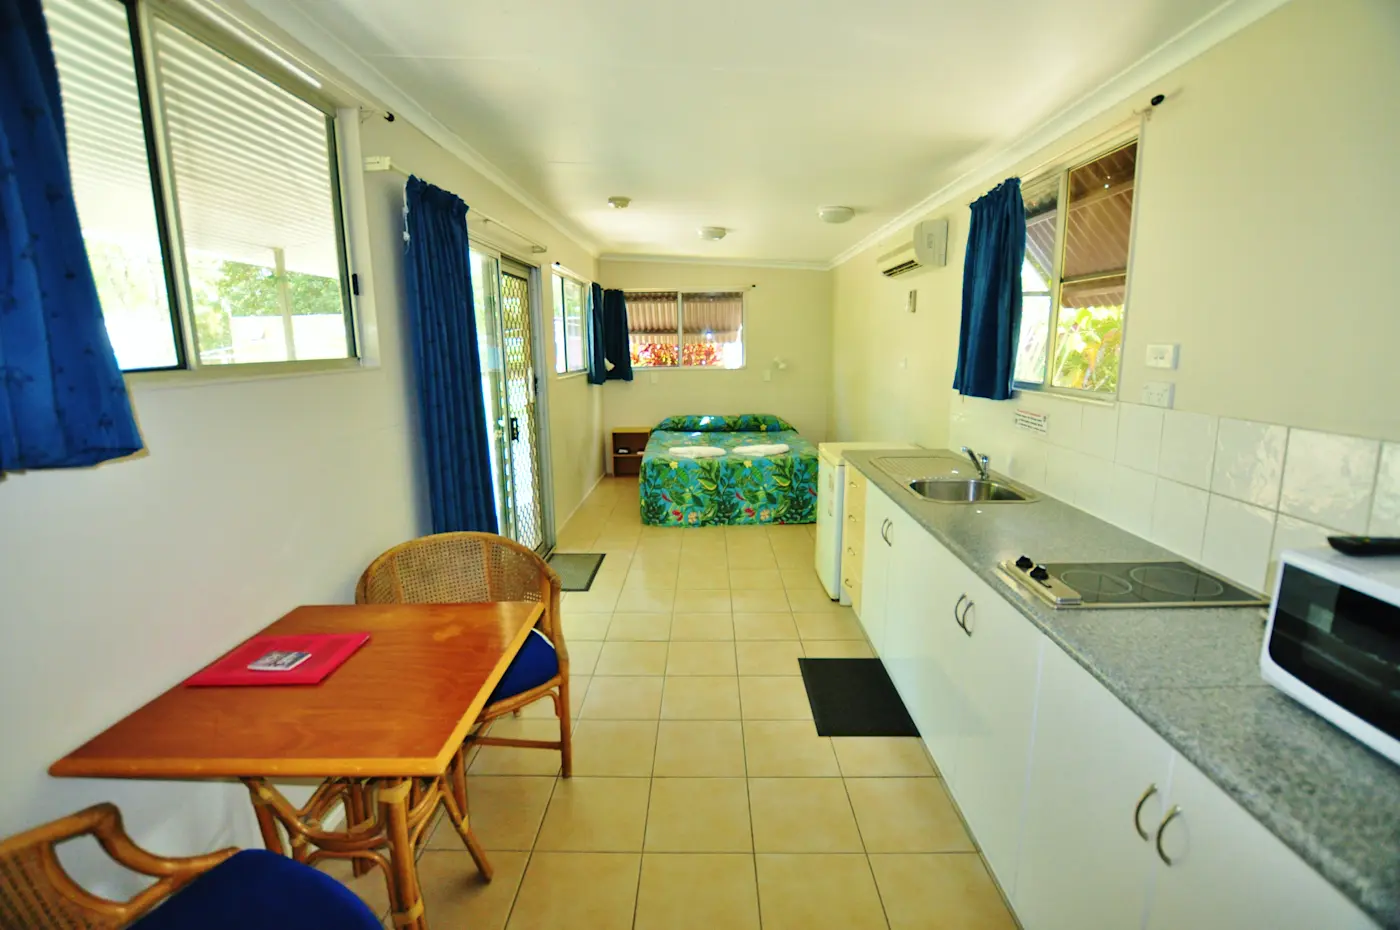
{"points": [[731, 489]]}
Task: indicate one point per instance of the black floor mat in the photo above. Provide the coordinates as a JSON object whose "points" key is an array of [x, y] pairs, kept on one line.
{"points": [[854, 697], [576, 569]]}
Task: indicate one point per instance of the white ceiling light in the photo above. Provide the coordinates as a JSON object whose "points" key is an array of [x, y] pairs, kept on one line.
{"points": [[619, 203], [713, 233], [835, 214]]}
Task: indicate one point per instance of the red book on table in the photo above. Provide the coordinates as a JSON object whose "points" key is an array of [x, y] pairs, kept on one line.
{"points": [[324, 653]]}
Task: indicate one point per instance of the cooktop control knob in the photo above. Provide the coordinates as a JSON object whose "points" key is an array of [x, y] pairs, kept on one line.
{"points": [[1024, 562], [1039, 573]]}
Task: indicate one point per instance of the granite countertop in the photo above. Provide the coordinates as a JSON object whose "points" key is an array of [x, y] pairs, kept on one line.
{"points": [[1193, 675]]}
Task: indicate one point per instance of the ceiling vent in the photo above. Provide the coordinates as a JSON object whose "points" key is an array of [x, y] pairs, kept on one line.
{"points": [[927, 248]]}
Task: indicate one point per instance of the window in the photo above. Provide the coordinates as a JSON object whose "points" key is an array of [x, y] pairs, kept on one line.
{"points": [[1075, 273], [686, 329], [238, 256], [570, 302]]}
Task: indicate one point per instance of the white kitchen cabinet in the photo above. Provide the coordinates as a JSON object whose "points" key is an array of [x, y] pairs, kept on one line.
{"points": [[907, 546], [1228, 872], [932, 694], [880, 513], [997, 672], [1083, 864]]}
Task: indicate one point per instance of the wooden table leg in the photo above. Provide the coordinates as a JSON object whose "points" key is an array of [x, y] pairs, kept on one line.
{"points": [[405, 898], [267, 820]]}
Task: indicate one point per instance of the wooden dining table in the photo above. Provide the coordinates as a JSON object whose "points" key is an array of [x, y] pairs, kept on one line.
{"points": [[382, 733]]}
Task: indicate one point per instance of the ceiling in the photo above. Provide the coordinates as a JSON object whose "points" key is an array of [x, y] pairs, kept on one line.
{"points": [[747, 114]]}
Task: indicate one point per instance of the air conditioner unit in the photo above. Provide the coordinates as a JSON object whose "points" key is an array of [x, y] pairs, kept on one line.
{"points": [[928, 248]]}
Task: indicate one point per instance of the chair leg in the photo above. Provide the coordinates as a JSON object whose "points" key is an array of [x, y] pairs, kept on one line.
{"points": [[566, 735], [458, 816]]}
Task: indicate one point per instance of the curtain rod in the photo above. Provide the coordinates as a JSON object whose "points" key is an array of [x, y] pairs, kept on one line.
{"points": [[385, 163]]}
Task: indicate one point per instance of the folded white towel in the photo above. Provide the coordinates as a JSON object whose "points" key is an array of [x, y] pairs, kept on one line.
{"points": [[772, 448], [696, 452]]}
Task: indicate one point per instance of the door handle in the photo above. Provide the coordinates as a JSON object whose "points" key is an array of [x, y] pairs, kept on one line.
{"points": [[1172, 814], [962, 621], [1137, 812], [885, 529], [956, 617], [514, 429]]}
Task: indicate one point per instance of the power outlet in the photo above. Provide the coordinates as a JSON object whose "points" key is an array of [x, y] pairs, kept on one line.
{"points": [[1158, 393], [1163, 355]]}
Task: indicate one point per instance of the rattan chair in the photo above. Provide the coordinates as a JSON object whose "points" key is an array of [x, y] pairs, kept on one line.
{"points": [[474, 568], [228, 888]]}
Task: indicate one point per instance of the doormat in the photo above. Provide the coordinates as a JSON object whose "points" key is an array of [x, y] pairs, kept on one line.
{"points": [[576, 569], [854, 697]]}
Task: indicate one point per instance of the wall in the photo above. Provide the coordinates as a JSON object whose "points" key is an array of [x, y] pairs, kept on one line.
{"points": [[1262, 247], [787, 315], [256, 496]]}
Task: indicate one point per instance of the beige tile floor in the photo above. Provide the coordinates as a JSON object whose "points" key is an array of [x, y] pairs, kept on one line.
{"points": [[702, 796]]}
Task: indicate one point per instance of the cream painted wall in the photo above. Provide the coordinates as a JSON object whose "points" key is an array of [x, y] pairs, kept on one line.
{"points": [[1266, 208], [256, 496], [787, 315]]}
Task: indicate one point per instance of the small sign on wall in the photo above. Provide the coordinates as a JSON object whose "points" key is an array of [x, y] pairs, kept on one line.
{"points": [[1032, 422]]}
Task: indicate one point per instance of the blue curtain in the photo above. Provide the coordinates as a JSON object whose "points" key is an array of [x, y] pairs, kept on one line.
{"points": [[63, 403], [442, 329], [597, 364], [616, 345], [991, 298]]}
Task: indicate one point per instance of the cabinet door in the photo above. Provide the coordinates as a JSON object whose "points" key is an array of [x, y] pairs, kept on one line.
{"points": [[879, 512], [903, 606], [1229, 872], [1082, 864], [933, 696], [998, 675]]}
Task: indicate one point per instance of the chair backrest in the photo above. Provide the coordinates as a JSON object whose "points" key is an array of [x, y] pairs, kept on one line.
{"points": [[36, 892], [463, 568]]}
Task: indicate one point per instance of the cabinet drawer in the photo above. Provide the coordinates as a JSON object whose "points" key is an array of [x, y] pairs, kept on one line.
{"points": [[853, 561], [851, 584]]}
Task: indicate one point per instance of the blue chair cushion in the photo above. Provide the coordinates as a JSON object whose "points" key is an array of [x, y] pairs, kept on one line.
{"points": [[535, 664], [260, 889]]}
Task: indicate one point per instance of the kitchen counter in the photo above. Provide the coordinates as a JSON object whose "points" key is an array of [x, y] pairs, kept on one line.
{"points": [[1192, 674]]}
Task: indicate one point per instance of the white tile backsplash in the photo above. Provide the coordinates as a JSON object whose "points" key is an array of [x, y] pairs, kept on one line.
{"points": [[1098, 435], [1292, 533], [1328, 479], [1062, 469], [1238, 541], [1139, 437], [1228, 493], [1130, 499], [1179, 517], [1188, 447], [1385, 510], [1249, 461]]}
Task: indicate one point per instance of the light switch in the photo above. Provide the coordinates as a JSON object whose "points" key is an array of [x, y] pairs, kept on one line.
{"points": [[1162, 355], [1158, 393], [767, 374], [653, 377]]}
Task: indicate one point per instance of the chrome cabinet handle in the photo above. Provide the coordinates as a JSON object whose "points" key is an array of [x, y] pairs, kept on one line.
{"points": [[962, 621], [1137, 812], [1162, 828], [885, 529], [956, 617]]}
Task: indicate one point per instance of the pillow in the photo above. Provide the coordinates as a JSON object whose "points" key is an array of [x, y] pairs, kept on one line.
{"points": [[744, 423]]}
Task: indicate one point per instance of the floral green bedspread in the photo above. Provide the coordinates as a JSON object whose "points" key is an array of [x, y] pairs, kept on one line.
{"points": [[732, 489]]}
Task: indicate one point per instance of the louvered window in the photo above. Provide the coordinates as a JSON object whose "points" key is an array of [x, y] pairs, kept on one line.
{"points": [[686, 329], [1075, 274], [207, 192]]}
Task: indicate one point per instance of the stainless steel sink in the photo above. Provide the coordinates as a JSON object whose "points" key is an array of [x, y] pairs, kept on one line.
{"points": [[968, 491]]}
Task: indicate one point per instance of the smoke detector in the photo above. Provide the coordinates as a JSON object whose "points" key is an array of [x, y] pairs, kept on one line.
{"points": [[713, 233], [835, 214]]}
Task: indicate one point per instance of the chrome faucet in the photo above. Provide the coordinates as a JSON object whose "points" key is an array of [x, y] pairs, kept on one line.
{"points": [[980, 462]]}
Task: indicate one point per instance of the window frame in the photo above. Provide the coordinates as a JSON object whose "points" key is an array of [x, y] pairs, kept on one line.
{"points": [[1063, 169], [569, 372], [141, 16], [741, 290]]}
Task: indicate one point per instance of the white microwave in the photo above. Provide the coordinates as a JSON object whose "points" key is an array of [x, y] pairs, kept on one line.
{"points": [[1333, 641]]}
